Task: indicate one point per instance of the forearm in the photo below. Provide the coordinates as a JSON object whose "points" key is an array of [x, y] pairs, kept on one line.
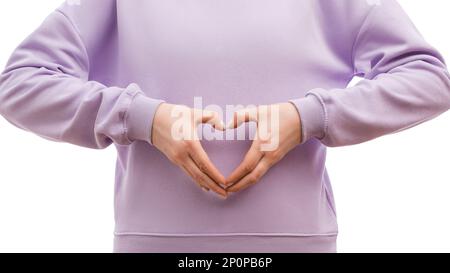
{"points": [[405, 83], [45, 89]]}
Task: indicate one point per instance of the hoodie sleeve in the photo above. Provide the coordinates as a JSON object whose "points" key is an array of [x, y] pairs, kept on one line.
{"points": [[45, 89], [405, 83]]}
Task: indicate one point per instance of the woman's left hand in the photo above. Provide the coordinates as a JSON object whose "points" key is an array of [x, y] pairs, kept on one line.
{"points": [[278, 132]]}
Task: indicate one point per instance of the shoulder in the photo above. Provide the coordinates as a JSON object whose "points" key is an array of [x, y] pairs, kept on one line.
{"points": [[92, 19]]}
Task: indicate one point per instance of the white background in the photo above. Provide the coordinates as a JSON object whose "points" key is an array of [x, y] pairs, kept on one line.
{"points": [[393, 194]]}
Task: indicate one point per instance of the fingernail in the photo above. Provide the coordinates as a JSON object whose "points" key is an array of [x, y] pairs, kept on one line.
{"points": [[228, 184], [230, 125], [205, 189], [222, 125]]}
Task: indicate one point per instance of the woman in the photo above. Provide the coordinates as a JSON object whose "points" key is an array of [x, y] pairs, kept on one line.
{"points": [[104, 72]]}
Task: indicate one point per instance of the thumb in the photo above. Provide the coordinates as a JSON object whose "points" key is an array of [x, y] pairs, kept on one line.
{"points": [[243, 116], [212, 118]]}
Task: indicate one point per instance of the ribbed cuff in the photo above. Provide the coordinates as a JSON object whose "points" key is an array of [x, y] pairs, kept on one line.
{"points": [[313, 116], [140, 117]]}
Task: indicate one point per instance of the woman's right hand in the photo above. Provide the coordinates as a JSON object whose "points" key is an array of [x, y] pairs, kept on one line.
{"points": [[174, 133]]}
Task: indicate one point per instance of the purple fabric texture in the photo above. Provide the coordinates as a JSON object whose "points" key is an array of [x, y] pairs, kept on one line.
{"points": [[94, 73]]}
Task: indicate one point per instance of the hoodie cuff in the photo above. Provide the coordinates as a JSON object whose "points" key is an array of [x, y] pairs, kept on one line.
{"points": [[141, 113], [313, 116]]}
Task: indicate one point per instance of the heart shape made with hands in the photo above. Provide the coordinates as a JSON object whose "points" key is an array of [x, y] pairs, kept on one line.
{"points": [[278, 132]]}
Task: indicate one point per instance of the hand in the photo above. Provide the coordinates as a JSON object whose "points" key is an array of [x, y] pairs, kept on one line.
{"points": [[278, 132], [174, 133]]}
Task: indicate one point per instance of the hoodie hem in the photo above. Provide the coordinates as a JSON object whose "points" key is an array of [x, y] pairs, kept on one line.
{"points": [[224, 243], [275, 234]]}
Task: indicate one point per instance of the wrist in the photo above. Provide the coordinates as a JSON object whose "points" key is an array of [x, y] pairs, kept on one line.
{"points": [[140, 116], [294, 120], [161, 113], [313, 117]]}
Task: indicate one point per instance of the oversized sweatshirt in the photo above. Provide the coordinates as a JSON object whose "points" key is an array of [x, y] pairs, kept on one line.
{"points": [[94, 73]]}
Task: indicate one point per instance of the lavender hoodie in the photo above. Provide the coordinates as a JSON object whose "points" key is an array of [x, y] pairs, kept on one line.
{"points": [[94, 73]]}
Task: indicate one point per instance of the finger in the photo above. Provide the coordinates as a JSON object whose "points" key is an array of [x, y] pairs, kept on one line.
{"points": [[253, 177], [188, 173], [213, 119], [243, 116], [248, 164], [204, 180], [203, 162]]}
